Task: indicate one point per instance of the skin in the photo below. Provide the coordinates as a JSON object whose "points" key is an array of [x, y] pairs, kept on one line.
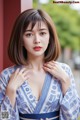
{"points": [[36, 66]]}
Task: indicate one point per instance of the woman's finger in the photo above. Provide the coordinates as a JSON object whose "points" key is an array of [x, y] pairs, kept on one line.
{"points": [[49, 65], [48, 69], [22, 70]]}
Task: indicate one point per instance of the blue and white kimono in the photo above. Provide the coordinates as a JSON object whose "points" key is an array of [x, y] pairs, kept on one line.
{"points": [[51, 99]]}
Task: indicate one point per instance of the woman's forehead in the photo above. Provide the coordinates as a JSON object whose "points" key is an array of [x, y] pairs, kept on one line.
{"points": [[38, 25]]}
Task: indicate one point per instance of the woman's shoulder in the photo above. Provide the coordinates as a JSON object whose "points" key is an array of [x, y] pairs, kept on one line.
{"points": [[8, 71], [65, 66]]}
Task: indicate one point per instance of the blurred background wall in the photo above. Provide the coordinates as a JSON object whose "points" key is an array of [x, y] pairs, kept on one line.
{"points": [[9, 10]]}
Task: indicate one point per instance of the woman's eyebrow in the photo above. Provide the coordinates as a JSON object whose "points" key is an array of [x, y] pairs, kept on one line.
{"points": [[43, 29]]}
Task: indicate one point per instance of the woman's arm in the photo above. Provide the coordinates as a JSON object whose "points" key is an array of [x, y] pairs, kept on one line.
{"points": [[8, 87], [5, 103]]}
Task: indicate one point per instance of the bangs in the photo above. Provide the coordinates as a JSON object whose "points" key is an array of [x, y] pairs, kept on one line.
{"points": [[32, 20]]}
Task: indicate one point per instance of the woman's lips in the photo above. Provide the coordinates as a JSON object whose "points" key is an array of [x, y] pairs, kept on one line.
{"points": [[38, 48]]}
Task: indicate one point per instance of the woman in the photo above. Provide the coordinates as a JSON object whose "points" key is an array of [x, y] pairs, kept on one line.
{"points": [[37, 86]]}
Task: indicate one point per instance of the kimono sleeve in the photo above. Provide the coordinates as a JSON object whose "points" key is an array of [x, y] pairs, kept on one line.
{"points": [[6, 109], [70, 102]]}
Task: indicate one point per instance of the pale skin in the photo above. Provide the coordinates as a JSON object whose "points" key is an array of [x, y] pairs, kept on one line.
{"points": [[36, 69]]}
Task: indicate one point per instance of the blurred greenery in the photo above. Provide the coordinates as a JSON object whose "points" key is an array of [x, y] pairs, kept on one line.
{"points": [[79, 118], [67, 23]]}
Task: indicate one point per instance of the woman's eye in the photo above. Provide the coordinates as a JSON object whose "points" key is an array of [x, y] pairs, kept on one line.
{"points": [[42, 33], [28, 34]]}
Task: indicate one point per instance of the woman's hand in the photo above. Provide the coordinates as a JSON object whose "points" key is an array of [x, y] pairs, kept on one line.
{"points": [[18, 78], [53, 68]]}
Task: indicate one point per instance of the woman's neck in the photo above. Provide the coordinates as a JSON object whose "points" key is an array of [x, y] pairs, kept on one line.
{"points": [[36, 63]]}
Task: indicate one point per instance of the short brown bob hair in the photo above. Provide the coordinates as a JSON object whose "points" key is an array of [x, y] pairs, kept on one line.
{"points": [[16, 51]]}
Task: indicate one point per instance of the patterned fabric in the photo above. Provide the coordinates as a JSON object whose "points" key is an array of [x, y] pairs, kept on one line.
{"points": [[51, 98]]}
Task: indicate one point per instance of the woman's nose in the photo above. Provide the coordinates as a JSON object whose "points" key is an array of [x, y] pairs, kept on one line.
{"points": [[37, 39]]}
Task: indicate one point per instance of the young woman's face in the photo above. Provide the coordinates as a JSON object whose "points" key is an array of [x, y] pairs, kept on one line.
{"points": [[36, 40]]}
